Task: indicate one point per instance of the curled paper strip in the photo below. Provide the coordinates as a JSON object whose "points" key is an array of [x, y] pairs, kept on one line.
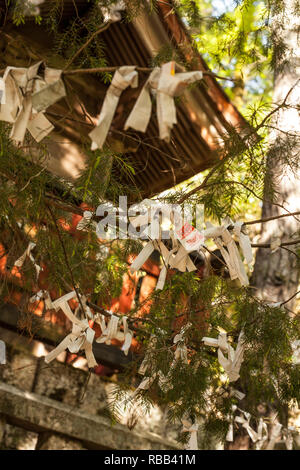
{"points": [[113, 12], [27, 253], [81, 337], [124, 77], [42, 295], [232, 363], [262, 434], [296, 351], [27, 96], [127, 336], [226, 244], [86, 221], [184, 238], [187, 426], [111, 331], [181, 349], [166, 84], [244, 420]]}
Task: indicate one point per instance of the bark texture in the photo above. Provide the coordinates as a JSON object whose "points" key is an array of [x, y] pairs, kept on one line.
{"points": [[276, 275]]}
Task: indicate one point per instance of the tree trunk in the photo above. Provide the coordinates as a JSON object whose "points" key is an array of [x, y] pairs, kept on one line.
{"points": [[276, 274]]}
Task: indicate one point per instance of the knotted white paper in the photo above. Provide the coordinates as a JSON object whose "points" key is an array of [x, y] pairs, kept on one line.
{"points": [[183, 239], [27, 253], [27, 96], [187, 426], [112, 331], [124, 77], [42, 295], [226, 244], [113, 12], [166, 84], [81, 337], [232, 363], [86, 221]]}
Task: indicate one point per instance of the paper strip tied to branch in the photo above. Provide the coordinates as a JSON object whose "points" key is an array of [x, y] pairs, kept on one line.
{"points": [[232, 363], [27, 96], [226, 244], [42, 295], [81, 337], [27, 253], [187, 426], [183, 236], [124, 77], [111, 331], [166, 84]]}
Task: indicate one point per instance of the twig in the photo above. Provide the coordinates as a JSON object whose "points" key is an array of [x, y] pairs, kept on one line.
{"points": [[267, 219], [268, 245], [286, 301], [65, 256], [100, 30], [138, 69]]}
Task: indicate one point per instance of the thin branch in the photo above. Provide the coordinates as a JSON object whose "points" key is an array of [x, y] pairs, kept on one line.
{"points": [[100, 30], [267, 219], [138, 69], [268, 245], [288, 300], [65, 256]]}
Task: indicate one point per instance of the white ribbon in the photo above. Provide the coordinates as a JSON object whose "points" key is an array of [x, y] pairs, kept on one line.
{"points": [[187, 426], [166, 84], [81, 337], [127, 336], [296, 351], [262, 434], [183, 239], [86, 221], [27, 96], [112, 12], [245, 422], [229, 250], [27, 253], [140, 115], [110, 331], [125, 76], [232, 363], [42, 295]]}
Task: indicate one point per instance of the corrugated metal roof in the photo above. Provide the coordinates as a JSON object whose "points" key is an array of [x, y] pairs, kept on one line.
{"points": [[204, 112]]}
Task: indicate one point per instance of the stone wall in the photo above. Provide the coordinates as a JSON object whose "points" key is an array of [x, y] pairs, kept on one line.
{"points": [[51, 407]]}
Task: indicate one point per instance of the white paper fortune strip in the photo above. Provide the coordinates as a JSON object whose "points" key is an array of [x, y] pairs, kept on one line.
{"points": [[113, 12], [81, 337], [187, 426], [111, 331], [184, 238], [42, 295], [86, 221], [232, 363], [296, 351], [27, 253], [226, 244], [128, 334], [244, 420], [27, 96], [124, 77], [166, 84]]}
